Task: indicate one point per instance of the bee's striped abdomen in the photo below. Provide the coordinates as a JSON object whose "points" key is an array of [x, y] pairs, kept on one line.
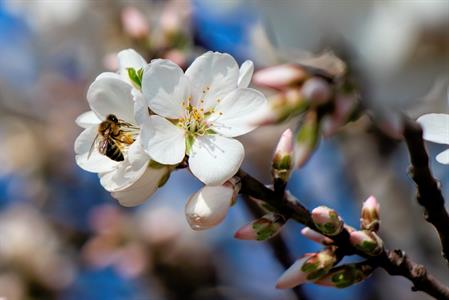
{"points": [[114, 152]]}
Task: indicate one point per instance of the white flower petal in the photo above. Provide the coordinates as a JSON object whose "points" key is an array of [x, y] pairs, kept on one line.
{"points": [[245, 73], [129, 58], [97, 162], [141, 112], [163, 141], [165, 88], [111, 96], [436, 127], [108, 75], [213, 75], [214, 158], [236, 113], [443, 157], [208, 207], [128, 171], [143, 188], [87, 119]]}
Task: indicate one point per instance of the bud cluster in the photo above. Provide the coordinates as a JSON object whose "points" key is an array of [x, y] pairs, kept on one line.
{"points": [[325, 103]]}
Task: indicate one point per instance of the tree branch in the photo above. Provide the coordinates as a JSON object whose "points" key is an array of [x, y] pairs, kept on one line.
{"points": [[429, 195], [394, 262]]}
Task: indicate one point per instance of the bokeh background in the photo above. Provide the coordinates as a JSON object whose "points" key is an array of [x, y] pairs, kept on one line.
{"points": [[63, 237]]}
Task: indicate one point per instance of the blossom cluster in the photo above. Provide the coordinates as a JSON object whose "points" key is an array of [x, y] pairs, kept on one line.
{"points": [[150, 118]]}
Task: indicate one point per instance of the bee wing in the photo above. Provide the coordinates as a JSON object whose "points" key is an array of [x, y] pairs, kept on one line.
{"points": [[103, 146], [92, 146], [122, 123]]}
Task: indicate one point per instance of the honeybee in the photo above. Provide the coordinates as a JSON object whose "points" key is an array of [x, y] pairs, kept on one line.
{"points": [[113, 135]]}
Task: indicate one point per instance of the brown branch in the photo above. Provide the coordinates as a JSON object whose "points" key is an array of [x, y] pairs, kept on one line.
{"points": [[429, 195], [394, 262]]}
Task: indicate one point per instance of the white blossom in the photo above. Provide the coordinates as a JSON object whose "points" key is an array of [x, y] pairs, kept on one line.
{"points": [[198, 113], [436, 129], [131, 180]]}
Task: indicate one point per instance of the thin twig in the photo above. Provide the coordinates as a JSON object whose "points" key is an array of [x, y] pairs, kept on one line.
{"points": [[394, 262], [429, 195]]}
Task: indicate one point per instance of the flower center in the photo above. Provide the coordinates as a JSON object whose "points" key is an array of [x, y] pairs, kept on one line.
{"points": [[194, 121]]}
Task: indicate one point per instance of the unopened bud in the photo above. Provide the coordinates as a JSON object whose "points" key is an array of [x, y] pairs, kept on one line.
{"points": [[280, 77], [344, 107], [307, 268], [208, 207], [370, 214], [134, 23], [317, 91], [282, 159], [316, 236], [346, 275], [306, 139], [282, 106], [261, 229], [327, 220], [367, 241]]}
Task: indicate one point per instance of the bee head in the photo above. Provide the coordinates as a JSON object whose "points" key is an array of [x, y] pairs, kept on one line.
{"points": [[112, 118]]}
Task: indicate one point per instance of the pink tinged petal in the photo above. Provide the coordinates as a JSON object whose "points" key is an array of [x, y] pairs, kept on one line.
{"points": [[293, 276], [213, 76], [215, 159], [165, 88], [435, 127], [143, 188], [96, 163], [280, 77], [443, 157], [87, 119], [129, 58], [128, 171], [163, 141], [235, 115], [246, 232], [111, 96], [315, 236], [245, 73], [208, 207]]}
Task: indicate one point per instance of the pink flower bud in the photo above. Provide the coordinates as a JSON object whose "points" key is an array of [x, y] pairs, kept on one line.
{"points": [[367, 241], [208, 207], [261, 229], [315, 236], [306, 139], [293, 276], [282, 159], [344, 107], [370, 214], [281, 107], [134, 23], [280, 77], [346, 275], [317, 90], [308, 268], [327, 220]]}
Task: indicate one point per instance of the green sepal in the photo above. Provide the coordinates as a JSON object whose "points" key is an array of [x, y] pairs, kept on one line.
{"points": [[189, 143], [136, 76]]}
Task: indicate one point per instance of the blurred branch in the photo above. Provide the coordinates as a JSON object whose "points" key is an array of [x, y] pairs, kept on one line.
{"points": [[279, 248], [394, 262], [429, 195]]}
